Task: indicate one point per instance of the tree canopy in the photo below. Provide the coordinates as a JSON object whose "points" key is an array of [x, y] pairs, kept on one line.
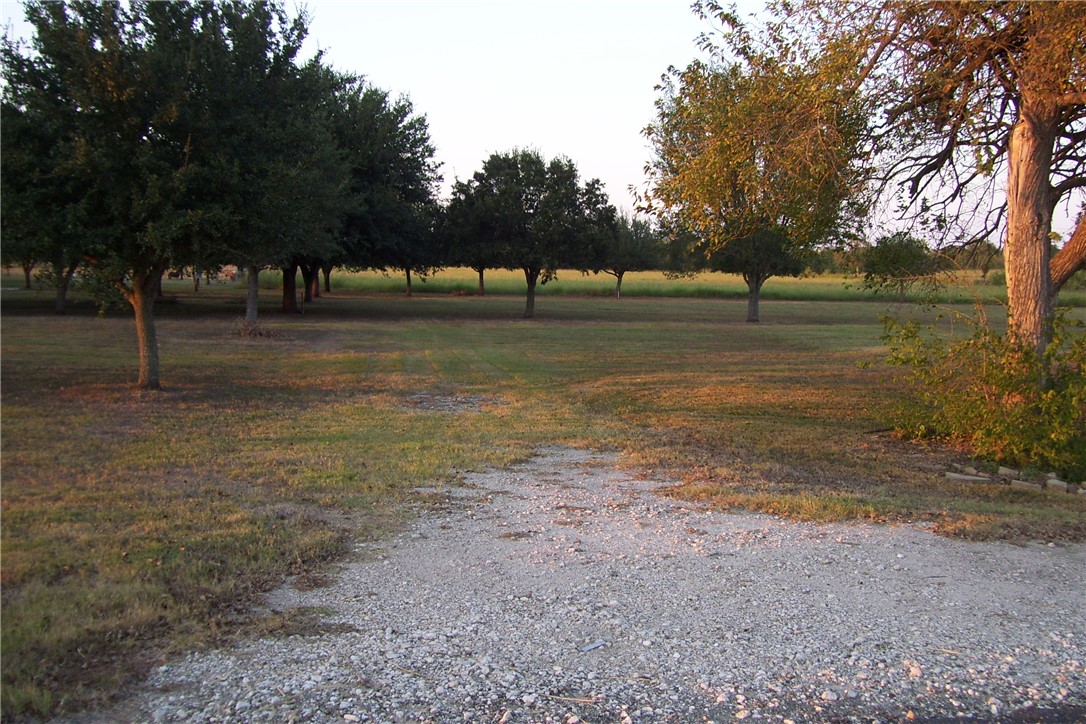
{"points": [[146, 135], [975, 112], [393, 181], [532, 215], [752, 144], [635, 245], [898, 261]]}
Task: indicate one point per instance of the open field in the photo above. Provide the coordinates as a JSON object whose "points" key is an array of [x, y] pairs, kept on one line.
{"points": [[136, 524], [961, 288]]}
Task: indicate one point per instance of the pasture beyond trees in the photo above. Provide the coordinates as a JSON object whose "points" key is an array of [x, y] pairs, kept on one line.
{"points": [[138, 523]]}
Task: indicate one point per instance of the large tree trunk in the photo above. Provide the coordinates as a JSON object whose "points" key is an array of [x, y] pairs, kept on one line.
{"points": [[290, 289], [532, 277], [327, 270], [618, 284], [314, 280], [754, 292], [142, 298], [1029, 221], [482, 290], [252, 297], [408, 272], [63, 283], [27, 268]]}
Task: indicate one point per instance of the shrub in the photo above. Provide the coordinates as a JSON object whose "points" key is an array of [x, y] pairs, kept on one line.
{"points": [[998, 397]]}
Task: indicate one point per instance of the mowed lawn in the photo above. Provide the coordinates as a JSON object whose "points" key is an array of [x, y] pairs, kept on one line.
{"points": [[140, 524]]}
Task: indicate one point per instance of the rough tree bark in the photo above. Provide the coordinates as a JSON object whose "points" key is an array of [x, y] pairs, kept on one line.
{"points": [[1070, 259], [754, 292], [532, 277], [1029, 220], [141, 295], [290, 289], [252, 297]]}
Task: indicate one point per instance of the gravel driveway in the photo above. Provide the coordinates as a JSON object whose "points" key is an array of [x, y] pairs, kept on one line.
{"points": [[568, 590]]}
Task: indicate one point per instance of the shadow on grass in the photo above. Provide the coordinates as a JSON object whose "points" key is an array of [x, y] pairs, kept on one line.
{"points": [[138, 524]]}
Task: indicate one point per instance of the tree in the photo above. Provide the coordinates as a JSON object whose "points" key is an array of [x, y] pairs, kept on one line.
{"points": [[138, 97], [419, 249], [467, 234], [634, 246], [117, 74], [765, 253], [41, 208], [980, 256], [276, 158], [392, 184], [898, 261], [755, 144], [317, 194], [536, 214], [963, 95]]}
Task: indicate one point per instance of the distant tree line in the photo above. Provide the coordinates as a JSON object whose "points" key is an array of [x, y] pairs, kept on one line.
{"points": [[146, 136], [141, 137]]}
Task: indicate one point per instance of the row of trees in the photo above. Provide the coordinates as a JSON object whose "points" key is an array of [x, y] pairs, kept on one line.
{"points": [[522, 212], [141, 136]]}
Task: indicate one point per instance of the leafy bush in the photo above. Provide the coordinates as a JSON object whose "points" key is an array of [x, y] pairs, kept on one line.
{"points": [[995, 395]]}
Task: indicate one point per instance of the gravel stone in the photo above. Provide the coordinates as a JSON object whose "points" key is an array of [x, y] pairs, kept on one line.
{"points": [[568, 590]]}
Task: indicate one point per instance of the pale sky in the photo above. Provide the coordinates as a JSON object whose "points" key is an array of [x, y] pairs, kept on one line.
{"points": [[564, 77]]}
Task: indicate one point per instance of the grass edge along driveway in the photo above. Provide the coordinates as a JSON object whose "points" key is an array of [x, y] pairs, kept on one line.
{"points": [[136, 525]]}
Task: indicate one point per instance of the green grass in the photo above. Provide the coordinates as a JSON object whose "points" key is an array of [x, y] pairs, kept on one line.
{"points": [[961, 288], [137, 524]]}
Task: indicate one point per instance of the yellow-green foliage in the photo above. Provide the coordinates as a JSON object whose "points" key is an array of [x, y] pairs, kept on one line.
{"points": [[996, 395]]}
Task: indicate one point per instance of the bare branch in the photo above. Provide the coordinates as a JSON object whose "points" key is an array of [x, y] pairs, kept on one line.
{"points": [[1070, 258], [1069, 184], [1072, 99]]}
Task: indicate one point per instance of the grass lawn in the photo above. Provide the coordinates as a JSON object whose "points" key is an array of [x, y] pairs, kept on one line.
{"points": [[964, 287], [140, 524]]}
